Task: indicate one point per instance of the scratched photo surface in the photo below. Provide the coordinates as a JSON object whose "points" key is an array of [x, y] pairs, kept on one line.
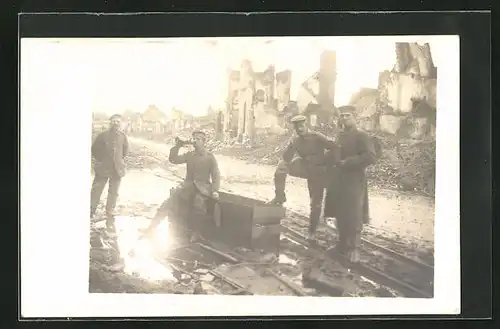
{"points": [[286, 167]]}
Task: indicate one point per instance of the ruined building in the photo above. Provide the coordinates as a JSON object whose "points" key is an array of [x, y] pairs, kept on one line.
{"points": [[316, 95], [251, 102], [262, 100], [404, 105], [283, 88]]}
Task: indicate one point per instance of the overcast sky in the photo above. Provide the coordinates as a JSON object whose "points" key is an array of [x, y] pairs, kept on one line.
{"points": [[190, 74]]}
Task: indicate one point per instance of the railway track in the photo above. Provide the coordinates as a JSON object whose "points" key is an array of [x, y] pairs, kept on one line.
{"points": [[377, 269], [302, 222], [368, 244], [410, 276], [411, 271], [213, 262]]}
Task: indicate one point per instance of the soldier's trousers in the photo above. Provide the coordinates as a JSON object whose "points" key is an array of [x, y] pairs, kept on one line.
{"points": [[188, 205], [96, 192], [349, 230], [315, 184]]}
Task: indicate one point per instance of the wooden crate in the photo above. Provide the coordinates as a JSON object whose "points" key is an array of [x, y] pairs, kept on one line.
{"points": [[250, 223]]}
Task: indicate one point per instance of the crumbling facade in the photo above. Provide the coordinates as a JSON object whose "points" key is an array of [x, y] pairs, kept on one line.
{"points": [[327, 78], [283, 88], [316, 96], [261, 100], [405, 102], [251, 102]]}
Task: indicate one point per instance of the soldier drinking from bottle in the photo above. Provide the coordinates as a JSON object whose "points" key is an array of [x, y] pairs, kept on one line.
{"points": [[201, 185]]}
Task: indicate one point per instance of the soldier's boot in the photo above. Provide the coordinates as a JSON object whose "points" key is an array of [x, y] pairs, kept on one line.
{"points": [[279, 190], [354, 246], [354, 255], [341, 246], [342, 243]]}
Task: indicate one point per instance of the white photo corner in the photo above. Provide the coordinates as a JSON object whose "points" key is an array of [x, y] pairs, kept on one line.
{"points": [[237, 177]]}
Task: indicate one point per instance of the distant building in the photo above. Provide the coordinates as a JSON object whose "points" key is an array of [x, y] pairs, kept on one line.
{"points": [[154, 120]]}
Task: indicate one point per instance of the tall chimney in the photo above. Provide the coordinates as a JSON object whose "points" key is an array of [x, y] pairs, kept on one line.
{"points": [[327, 77]]}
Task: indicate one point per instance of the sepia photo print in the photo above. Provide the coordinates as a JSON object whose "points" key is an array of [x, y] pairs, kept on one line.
{"points": [[250, 167]]}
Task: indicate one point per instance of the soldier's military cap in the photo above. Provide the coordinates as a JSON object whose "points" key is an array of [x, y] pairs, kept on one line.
{"points": [[298, 118], [199, 132], [347, 109], [117, 116]]}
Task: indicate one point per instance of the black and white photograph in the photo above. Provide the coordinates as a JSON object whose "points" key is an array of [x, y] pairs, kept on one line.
{"points": [[237, 175]]}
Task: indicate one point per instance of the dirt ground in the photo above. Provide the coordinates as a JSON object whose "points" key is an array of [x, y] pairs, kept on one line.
{"points": [[143, 190], [405, 217]]}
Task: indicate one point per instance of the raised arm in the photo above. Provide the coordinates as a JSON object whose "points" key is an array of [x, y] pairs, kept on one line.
{"points": [[366, 153], [215, 174], [174, 156]]}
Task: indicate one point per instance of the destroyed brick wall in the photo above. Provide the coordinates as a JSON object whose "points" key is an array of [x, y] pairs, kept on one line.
{"points": [[245, 101], [402, 112], [231, 111], [327, 79], [265, 86], [283, 87], [307, 93], [392, 108], [251, 103]]}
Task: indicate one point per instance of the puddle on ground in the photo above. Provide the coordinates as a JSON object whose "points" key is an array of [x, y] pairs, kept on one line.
{"points": [[284, 259], [139, 254]]}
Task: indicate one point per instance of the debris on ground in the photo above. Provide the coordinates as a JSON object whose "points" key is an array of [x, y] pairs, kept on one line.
{"points": [[405, 165]]}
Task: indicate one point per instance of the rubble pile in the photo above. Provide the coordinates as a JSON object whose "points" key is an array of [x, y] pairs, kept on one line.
{"points": [[405, 164], [141, 159], [267, 149]]}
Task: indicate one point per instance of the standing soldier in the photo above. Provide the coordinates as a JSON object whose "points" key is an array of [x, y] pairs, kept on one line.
{"points": [[109, 150], [201, 185], [347, 196], [305, 157]]}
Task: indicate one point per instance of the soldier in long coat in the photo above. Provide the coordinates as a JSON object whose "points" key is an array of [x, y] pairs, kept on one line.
{"points": [[108, 150], [347, 196]]}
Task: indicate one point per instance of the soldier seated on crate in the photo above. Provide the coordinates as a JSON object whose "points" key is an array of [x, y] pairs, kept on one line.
{"points": [[192, 199], [306, 156]]}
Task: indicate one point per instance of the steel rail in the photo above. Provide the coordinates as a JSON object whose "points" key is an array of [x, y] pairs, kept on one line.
{"points": [[392, 253], [366, 270]]}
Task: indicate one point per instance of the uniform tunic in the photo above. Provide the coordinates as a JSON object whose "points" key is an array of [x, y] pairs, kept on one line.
{"points": [[306, 157], [202, 169], [311, 149], [109, 150], [190, 199]]}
